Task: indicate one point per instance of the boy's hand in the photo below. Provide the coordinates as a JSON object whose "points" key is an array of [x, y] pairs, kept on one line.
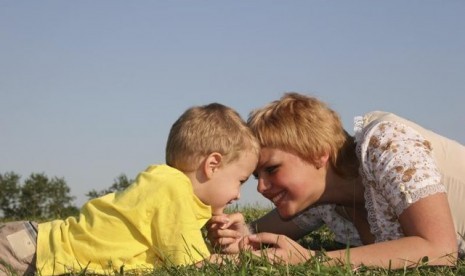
{"points": [[226, 231]]}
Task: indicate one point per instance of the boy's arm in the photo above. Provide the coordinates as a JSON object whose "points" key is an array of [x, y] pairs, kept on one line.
{"points": [[226, 231]]}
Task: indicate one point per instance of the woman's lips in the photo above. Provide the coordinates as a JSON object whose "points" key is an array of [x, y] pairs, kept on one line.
{"points": [[278, 198]]}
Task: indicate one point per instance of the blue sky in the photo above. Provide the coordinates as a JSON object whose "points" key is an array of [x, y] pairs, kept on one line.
{"points": [[89, 89]]}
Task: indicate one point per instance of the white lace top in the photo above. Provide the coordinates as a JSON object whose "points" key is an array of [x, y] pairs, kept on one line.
{"points": [[397, 169]]}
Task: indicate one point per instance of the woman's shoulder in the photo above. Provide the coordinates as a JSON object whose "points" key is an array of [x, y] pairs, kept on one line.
{"points": [[369, 121]]}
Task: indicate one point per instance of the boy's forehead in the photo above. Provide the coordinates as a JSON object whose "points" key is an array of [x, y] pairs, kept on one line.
{"points": [[249, 161], [245, 154]]}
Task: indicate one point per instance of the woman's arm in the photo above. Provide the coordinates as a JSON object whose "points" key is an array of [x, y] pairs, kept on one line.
{"points": [[429, 232], [219, 259], [405, 191], [273, 223]]}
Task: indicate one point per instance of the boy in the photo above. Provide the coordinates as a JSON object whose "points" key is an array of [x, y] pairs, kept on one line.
{"points": [[158, 219]]}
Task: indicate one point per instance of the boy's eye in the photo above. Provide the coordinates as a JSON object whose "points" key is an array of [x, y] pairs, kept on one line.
{"points": [[243, 180]]}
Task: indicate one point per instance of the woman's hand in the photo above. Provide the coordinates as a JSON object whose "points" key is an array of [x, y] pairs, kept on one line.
{"points": [[226, 231], [278, 248]]}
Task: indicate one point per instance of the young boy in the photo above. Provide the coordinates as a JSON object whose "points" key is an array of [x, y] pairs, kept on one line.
{"points": [[158, 219]]}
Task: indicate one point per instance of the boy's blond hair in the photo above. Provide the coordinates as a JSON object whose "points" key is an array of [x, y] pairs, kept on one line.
{"points": [[307, 127], [202, 130]]}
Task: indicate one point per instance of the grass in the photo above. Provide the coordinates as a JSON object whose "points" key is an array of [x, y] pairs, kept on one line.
{"points": [[322, 238], [250, 265]]}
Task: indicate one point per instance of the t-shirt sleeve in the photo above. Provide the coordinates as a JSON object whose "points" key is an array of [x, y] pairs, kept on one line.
{"points": [[177, 236], [399, 163]]}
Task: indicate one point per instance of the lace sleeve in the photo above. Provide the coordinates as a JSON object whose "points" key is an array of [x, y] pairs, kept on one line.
{"points": [[401, 166], [310, 219], [314, 217]]}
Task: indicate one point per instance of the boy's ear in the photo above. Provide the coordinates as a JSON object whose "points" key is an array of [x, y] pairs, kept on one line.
{"points": [[212, 163], [322, 160]]}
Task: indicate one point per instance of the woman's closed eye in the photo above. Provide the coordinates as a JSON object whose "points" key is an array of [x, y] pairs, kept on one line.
{"points": [[267, 170], [255, 175], [271, 169]]}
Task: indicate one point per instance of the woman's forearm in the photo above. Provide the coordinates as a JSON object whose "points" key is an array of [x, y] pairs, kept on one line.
{"points": [[273, 223], [395, 254]]}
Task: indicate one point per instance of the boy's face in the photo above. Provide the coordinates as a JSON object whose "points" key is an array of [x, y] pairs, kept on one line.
{"points": [[225, 183]]}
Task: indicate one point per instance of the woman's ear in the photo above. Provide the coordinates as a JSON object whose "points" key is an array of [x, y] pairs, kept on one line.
{"points": [[322, 161], [212, 163]]}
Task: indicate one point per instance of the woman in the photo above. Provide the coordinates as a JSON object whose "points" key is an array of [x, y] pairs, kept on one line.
{"points": [[392, 192]]}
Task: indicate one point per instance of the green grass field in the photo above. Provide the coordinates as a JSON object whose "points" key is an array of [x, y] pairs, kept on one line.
{"points": [[318, 239], [322, 238]]}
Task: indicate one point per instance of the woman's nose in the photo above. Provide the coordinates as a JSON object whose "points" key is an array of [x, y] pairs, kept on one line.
{"points": [[262, 185]]}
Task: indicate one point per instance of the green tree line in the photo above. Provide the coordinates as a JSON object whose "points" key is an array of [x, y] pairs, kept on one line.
{"points": [[42, 197]]}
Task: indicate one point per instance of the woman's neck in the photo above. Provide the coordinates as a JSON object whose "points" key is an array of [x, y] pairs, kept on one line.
{"points": [[343, 191]]}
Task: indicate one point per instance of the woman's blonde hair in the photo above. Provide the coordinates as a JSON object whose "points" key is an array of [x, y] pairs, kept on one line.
{"points": [[202, 130], [307, 127]]}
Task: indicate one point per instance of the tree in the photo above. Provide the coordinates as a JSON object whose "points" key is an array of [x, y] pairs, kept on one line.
{"points": [[120, 183], [9, 193], [32, 200], [38, 198], [59, 199]]}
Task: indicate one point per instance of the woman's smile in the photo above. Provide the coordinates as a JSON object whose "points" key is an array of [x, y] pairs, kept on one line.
{"points": [[277, 199]]}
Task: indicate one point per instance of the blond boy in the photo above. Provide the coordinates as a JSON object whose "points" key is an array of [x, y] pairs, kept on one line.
{"points": [[156, 221]]}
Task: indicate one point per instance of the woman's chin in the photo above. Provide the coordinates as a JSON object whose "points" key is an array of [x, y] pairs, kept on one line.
{"points": [[285, 212]]}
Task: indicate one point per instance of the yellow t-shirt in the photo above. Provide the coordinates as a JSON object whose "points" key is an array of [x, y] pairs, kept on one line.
{"points": [[154, 222]]}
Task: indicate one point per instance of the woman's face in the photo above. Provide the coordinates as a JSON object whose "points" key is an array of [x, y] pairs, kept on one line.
{"points": [[291, 183]]}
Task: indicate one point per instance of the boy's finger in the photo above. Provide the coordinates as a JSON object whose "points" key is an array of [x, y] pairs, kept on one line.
{"points": [[223, 237], [236, 218], [218, 219], [228, 233], [226, 241]]}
